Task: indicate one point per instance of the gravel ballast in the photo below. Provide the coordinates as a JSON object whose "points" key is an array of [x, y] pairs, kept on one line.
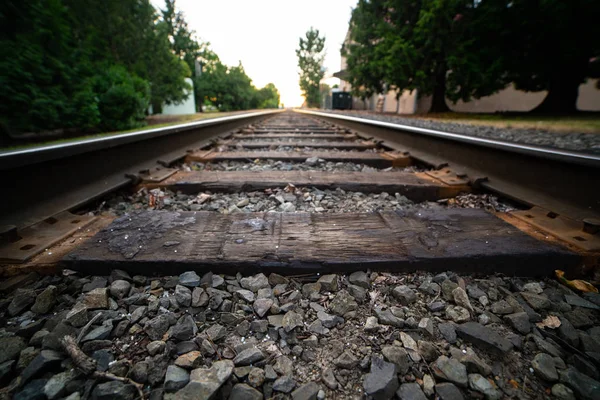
{"points": [[585, 142], [380, 335]]}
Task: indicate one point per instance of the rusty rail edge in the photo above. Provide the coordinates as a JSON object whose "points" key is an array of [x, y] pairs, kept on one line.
{"points": [[17, 158], [582, 158], [565, 182], [47, 180]]}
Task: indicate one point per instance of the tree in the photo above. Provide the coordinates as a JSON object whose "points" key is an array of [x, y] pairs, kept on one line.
{"points": [[553, 48], [310, 60], [267, 97], [435, 46]]}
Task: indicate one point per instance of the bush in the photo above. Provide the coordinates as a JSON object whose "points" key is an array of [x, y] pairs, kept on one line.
{"points": [[123, 99]]}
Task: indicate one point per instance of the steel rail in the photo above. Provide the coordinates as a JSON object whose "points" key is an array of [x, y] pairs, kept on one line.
{"points": [[565, 182], [537, 151], [41, 182], [37, 154]]}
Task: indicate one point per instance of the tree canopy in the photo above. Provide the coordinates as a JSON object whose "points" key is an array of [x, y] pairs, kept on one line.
{"points": [[76, 65], [310, 60], [464, 49]]}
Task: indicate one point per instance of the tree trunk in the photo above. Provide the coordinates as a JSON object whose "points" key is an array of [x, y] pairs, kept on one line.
{"points": [[562, 95], [438, 99]]}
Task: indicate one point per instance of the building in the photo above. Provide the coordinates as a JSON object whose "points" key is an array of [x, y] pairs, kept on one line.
{"points": [[508, 99]]}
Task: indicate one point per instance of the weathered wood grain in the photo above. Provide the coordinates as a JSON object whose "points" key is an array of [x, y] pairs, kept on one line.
{"points": [[464, 240], [258, 144], [325, 136], [369, 158], [415, 186]]}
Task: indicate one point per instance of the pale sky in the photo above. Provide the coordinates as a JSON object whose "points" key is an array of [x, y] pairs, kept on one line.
{"points": [[264, 35]]}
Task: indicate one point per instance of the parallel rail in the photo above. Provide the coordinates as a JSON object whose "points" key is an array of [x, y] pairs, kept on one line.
{"points": [[566, 182]]}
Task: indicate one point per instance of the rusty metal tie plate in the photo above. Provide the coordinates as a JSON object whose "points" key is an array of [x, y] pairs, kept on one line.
{"points": [[20, 246], [449, 177], [564, 228], [157, 174]]}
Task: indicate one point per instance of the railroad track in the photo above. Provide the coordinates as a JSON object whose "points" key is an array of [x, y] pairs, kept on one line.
{"points": [[339, 244], [309, 242]]}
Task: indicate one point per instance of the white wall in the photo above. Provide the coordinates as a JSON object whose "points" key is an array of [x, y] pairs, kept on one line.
{"points": [[188, 106]]}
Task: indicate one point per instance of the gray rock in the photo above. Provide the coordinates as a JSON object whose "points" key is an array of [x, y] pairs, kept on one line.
{"points": [[262, 306], [410, 391], [579, 302], [358, 293], [189, 279], [10, 347], [501, 307], [447, 391], [291, 320], [6, 370], [44, 362], [216, 332], [308, 391], [114, 390], [328, 320], [284, 384], [328, 378], [428, 351], [155, 347], [256, 377], [139, 372], [310, 289], [471, 360], [45, 300], [484, 337], [56, 385], [51, 340], [386, 317], [451, 370], [183, 295], [437, 306], [96, 299], [398, 356], [342, 303], [381, 382], [205, 382], [583, 386], [448, 331], [458, 314], [259, 325], [543, 365], [157, 327], [248, 357], [562, 392], [462, 299], [255, 282], [119, 289], [429, 287], [246, 294], [21, 301], [283, 366], [536, 301], [176, 377], [329, 283], [99, 333], [482, 385], [426, 326], [360, 278], [447, 287], [241, 391], [567, 332], [185, 328], [97, 282], [519, 322], [346, 360], [33, 390], [475, 292], [404, 295], [199, 297]]}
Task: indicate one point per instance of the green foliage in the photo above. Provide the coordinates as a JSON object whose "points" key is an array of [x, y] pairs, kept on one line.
{"points": [[98, 65], [464, 49], [310, 60], [230, 89], [122, 99], [444, 48]]}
